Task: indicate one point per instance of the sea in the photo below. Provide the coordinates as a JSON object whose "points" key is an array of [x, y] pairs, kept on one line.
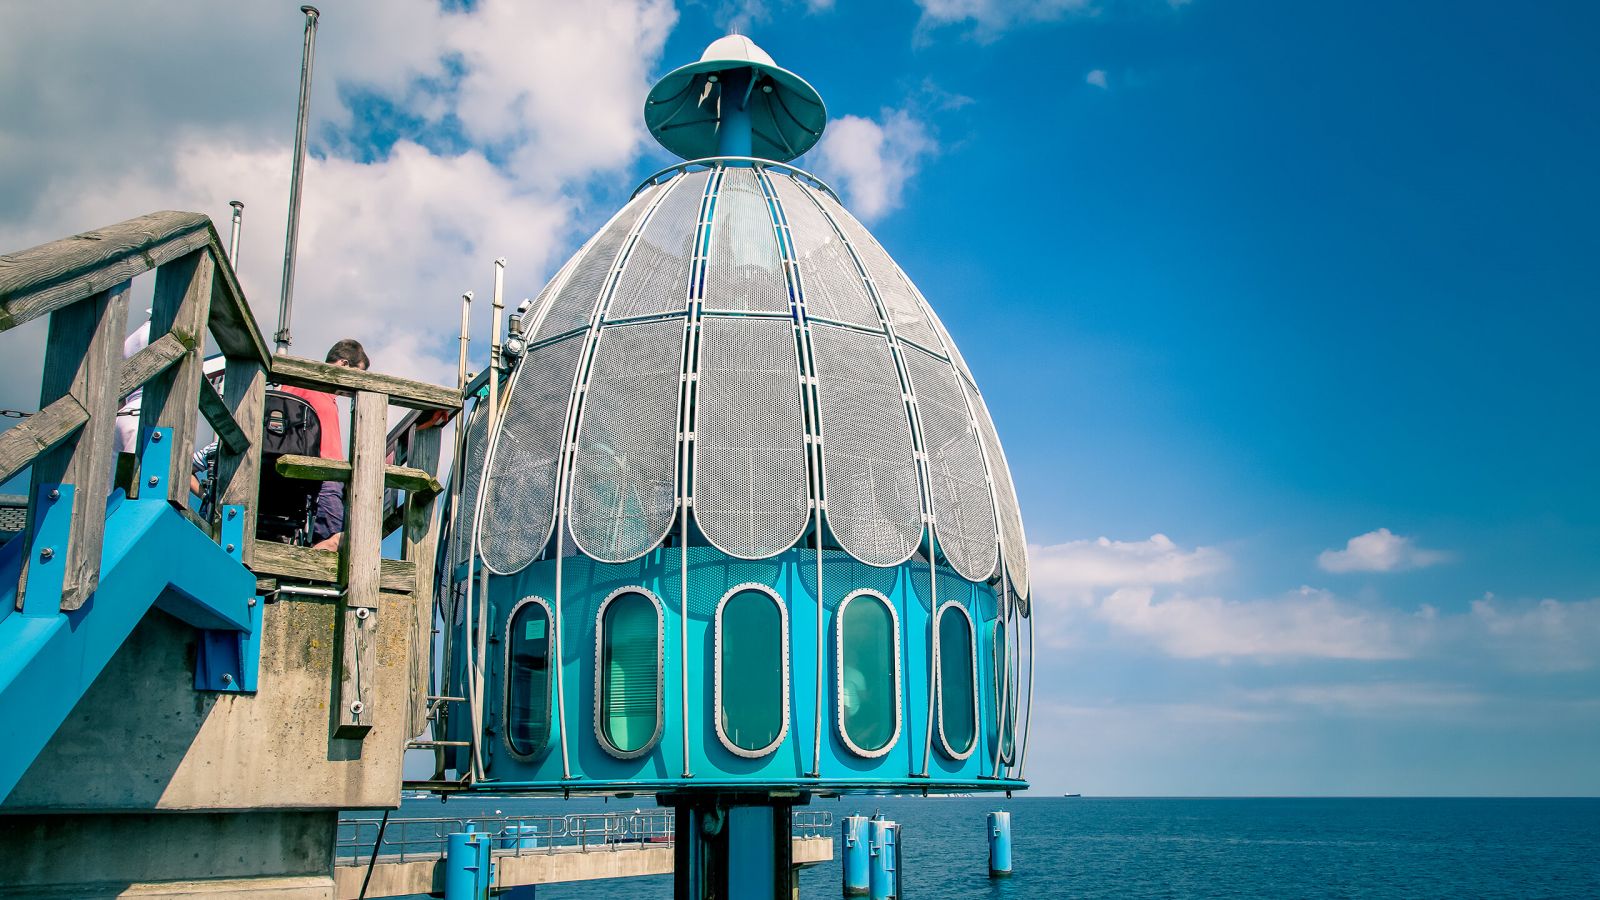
{"points": [[1116, 847]]}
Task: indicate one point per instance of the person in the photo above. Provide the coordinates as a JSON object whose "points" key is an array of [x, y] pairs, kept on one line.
{"points": [[327, 528], [125, 439], [327, 525]]}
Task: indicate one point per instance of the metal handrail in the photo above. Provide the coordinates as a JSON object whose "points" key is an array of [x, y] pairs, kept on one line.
{"points": [[423, 838]]}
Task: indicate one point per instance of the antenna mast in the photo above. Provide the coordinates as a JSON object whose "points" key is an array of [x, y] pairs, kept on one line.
{"points": [[286, 298]]}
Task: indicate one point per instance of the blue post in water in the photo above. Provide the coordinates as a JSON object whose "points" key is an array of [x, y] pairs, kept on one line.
{"points": [[999, 844], [857, 857], [884, 883], [468, 867]]}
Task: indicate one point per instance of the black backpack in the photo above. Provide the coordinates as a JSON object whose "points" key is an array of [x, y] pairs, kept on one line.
{"points": [[286, 506]]}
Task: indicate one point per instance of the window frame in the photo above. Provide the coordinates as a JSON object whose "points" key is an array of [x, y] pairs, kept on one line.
{"points": [[1005, 713], [599, 672], [938, 681], [716, 662], [550, 683], [838, 674]]}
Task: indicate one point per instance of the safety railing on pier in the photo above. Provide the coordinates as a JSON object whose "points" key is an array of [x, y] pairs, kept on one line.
{"points": [[418, 839]]}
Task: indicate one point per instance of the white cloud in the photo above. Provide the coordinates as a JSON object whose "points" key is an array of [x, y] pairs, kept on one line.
{"points": [[1368, 698], [871, 160], [525, 106], [992, 16], [1379, 551], [1548, 636], [1306, 624], [1096, 77], [1106, 563]]}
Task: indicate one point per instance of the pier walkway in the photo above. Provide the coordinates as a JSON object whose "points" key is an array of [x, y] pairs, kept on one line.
{"points": [[531, 850]]}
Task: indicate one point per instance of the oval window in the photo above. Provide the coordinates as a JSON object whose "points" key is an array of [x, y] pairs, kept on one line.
{"points": [[1004, 703], [528, 679], [957, 679], [628, 676], [869, 674], [752, 660]]}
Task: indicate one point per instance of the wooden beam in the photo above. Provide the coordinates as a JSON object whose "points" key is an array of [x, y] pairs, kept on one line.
{"points": [[299, 372], [83, 360], [172, 399], [216, 411], [363, 501], [52, 276], [420, 545], [244, 384], [231, 322], [154, 359], [395, 576], [20, 446], [315, 468]]}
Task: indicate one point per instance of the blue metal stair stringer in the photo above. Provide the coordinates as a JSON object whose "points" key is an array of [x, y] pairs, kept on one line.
{"points": [[152, 557]]}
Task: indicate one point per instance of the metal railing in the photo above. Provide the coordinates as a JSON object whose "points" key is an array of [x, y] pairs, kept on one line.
{"points": [[423, 839]]}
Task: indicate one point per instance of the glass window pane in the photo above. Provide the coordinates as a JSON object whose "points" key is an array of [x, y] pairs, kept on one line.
{"points": [[528, 680], [751, 669], [630, 673], [1004, 703], [957, 690], [867, 673]]}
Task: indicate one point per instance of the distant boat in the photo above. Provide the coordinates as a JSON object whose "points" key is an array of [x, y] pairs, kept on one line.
{"points": [[1072, 795]]}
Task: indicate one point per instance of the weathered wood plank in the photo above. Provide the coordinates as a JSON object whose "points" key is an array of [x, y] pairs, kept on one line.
{"points": [[51, 276], [244, 384], [83, 360], [363, 500], [300, 372], [420, 544], [154, 359], [20, 446], [315, 468], [358, 671], [172, 399], [232, 324], [216, 411], [395, 576]]}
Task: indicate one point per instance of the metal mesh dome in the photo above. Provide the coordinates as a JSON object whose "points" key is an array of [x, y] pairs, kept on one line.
{"points": [[735, 341]]}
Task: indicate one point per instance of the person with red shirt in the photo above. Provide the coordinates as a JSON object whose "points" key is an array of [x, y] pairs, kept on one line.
{"points": [[327, 529]]}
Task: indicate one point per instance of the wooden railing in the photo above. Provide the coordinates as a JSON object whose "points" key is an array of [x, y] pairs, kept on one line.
{"points": [[82, 284]]}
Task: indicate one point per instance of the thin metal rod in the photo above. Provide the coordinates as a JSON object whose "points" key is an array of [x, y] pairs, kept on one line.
{"points": [[1027, 722], [1015, 660], [296, 175], [233, 232], [933, 646], [1002, 687], [481, 651], [458, 470]]}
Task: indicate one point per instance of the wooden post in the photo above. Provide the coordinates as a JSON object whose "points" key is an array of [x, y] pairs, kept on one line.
{"points": [[83, 360], [421, 547], [359, 560], [172, 399], [244, 384]]}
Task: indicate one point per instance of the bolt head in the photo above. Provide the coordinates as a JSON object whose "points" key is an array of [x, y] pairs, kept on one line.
{"points": [[47, 554], [227, 678], [54, 494], [362, 612], [155, 438], [356, 707], [232, 513], [253, 601], [228, 548], [153, 481]]}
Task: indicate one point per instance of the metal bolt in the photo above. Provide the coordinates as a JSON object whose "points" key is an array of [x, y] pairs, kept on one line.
{"points": [[227, 678], [232, 513], [252, 601], [356, 707], [54, 494], [47, 554], [153, 481], [228, 548], [155, 438], [362, 612]]}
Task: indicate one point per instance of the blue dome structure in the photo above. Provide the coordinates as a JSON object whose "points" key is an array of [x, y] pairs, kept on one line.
{"points": [[742, 521]]}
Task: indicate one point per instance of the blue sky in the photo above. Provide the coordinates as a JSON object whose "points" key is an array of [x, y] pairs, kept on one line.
{"points": [[1285, 312]]}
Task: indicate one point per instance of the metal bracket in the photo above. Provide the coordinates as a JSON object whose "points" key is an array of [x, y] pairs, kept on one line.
{"points": [[155, 461], [230, 661], [47, 570]]}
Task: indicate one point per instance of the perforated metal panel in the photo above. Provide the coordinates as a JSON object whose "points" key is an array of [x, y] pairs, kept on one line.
{"points": [[869, 465], [963, 510], [750, 437], [905, 312], [519, 497], [471, 475], [1013, 543], [744, 270], [831, 283], [655, 278], [574, 304], [624, 479]]}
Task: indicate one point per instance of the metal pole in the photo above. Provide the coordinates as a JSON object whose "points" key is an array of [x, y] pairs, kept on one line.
{"points": [[458, 471], [1027, 723], [286, 298], [481, 651], [233, 234], [933, 646]]}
